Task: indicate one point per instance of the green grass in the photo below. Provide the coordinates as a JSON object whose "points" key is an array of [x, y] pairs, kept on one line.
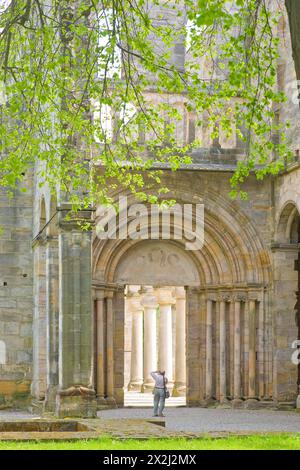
{"points": [[253, 442]]}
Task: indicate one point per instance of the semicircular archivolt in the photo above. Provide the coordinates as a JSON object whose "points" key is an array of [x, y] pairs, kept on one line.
{"points": [[232, 251]]}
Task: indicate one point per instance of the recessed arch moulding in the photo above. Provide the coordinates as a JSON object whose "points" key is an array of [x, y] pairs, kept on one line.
{"points": [[228, 278]]}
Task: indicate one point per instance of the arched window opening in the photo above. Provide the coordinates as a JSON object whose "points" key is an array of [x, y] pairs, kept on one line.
{"points": [[2, 353], [294, 230]]}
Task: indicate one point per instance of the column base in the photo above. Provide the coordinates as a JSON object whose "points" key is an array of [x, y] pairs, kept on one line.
{"points": [[135, 386], [209, 402], [298, 402], [170, 385], [179, 390], [224, 403], [50, 400], [251, 404], [101, 402], [111, 402], [237, 403], [286, 405], [268, 404], [147, 387], [37, 407], [79, 402]]}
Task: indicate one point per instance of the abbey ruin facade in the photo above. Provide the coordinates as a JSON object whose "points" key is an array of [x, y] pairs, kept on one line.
{"points": [[84, 320]]}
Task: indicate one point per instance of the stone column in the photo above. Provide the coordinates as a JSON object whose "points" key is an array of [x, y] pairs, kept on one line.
{"points": [[165, 300], [180, 355], [237, 352], [268, 344], [39, 379], [136, 308], [119, 344], [110, 399], [261, 352], [252, 349], [52, 310], [223, 349], [246, 350], [76, 396], [195, 305], [100, 353], [149, 302], [209, 350]]}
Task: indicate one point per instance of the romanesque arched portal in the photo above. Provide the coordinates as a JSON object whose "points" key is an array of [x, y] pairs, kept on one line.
{"points": [[228, 323]]}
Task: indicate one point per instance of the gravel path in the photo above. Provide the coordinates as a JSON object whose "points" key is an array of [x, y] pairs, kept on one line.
{"points": [[13, 415], [202, 419], [208, 420]]}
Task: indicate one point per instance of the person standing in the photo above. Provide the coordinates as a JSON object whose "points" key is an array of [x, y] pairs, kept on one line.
{"points": [[159, 392]]}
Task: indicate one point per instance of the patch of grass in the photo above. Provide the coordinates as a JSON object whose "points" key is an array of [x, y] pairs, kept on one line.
{"points": [[285, 441]]}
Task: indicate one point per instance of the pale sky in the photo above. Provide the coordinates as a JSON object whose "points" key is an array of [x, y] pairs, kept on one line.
{"points": [[4, 4]]}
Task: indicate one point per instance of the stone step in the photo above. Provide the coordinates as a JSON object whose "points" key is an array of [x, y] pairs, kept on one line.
{"points": [[136, 399]]}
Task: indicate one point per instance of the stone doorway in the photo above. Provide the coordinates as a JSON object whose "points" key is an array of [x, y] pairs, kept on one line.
{"points": [[143, 272], [295, 237], [287, 287], [229, 329], [155, 339], [229, 322]]}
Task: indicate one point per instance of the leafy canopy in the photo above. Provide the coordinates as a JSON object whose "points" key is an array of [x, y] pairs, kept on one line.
{"points": [[88, 91]]}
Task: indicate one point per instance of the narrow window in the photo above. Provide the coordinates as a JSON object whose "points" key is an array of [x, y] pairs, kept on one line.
{"points": [[2, 353]]}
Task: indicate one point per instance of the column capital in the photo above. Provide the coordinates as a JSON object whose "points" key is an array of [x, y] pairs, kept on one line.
{"points": [[252, 297], [68, 220], [255, 294], [109, 294], [133, 291], [212, 296], [179, 293], [98, 294], [224, 297], [165, 296], [133, 298], [239, 297], [195, 290], [149, 299]]}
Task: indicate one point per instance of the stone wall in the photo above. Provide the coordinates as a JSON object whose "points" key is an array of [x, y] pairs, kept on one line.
{"points": [[287, 82], [261, 212], [286, 204], [233, 270], [16, 297], [247, 247], [285, 254]]}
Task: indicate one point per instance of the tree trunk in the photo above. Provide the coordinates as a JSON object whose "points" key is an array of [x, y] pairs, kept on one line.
{"points": [[293, 10]]}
